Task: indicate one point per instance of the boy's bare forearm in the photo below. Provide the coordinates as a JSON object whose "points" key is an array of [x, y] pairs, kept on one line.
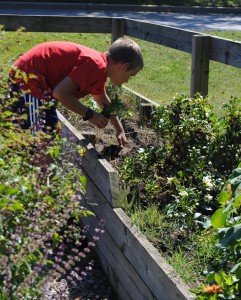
{"points": [[120, 133], [72, 103], [116, 123]]}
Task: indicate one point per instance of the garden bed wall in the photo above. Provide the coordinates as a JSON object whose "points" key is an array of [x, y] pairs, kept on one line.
{"points": [[134, 268]]}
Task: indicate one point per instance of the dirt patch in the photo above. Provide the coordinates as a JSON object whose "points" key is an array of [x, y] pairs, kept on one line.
{"points": [[105, 142]]}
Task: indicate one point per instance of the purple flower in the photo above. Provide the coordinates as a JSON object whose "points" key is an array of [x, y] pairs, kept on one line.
{"points": [[91, 244]]}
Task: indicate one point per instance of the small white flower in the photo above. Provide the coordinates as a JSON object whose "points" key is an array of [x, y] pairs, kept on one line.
{"points": [[170, 180], [24, 189], [183, 194], [207, 182], [209, 197]]}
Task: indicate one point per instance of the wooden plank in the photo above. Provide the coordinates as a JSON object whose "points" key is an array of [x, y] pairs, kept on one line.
{"points": [[149, 263], [145, 112], [108, 268], [225, 51], [200, 65], [125, 274], [159, 276], [140, 98], [163, 35], [221, 50], [102, 173], [90, 136], [56, 23], [117, 30], [119, 290]]}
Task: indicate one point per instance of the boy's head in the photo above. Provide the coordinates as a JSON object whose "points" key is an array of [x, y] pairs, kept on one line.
{"points": [[124, 60]]}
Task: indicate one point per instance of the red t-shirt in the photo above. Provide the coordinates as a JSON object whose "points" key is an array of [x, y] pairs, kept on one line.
{"points": [[47, 64]]}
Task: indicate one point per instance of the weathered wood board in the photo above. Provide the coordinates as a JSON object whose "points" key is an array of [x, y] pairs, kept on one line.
{"points": [[225, 51], [163, 35], [140, 98], [135, 269], [139, 269], [97, 168], [40, 23]]}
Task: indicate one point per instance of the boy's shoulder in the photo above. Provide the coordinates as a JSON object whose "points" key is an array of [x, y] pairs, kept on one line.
{"points": [[92, 56]]}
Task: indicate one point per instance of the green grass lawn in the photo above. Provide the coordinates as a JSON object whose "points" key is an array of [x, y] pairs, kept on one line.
{"points": [[167, 71]]}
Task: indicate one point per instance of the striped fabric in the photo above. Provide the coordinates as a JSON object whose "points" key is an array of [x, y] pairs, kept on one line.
{"points": [[33, 106]]}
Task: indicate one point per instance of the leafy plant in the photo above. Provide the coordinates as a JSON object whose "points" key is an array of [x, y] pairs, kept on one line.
{"points": [[42, 241], [121, 102], [226, 222], [184, 175]]}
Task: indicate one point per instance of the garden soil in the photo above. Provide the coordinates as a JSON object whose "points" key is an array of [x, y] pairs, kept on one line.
{"points": [[105, 142]]}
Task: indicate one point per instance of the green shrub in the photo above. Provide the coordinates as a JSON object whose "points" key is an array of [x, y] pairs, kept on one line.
{"points": [[196, 153]]}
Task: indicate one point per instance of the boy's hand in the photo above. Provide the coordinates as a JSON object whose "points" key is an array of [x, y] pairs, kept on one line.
{"points": [[121, 138], [99, 120]]}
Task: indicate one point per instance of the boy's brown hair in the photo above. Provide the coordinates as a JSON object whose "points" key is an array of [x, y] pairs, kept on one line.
{"points": [[126, 51]]}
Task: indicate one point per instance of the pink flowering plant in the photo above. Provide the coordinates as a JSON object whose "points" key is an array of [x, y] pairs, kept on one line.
{"points": [[42, 241]]}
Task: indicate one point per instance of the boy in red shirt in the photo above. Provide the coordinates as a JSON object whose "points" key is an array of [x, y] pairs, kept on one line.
{"points": [[67, 71]]}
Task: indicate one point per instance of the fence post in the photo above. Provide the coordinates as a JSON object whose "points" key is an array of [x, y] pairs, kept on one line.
{"points": [[200, 65], [117, 28]]}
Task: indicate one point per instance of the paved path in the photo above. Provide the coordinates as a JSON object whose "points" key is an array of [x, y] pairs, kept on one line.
{"points": [[193, 21]]}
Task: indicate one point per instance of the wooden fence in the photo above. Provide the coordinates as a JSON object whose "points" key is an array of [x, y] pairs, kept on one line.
{"points": [[203, 48]]}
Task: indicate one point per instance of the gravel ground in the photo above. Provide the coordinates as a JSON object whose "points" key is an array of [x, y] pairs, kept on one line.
{"points": [[93, 286]]}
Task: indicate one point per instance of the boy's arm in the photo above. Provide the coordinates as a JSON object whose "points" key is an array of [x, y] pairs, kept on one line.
{"points": [[120, 133], [64, 92]]}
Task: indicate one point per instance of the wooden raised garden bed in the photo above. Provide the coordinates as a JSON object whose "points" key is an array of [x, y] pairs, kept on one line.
{"points": [[133, 266]]}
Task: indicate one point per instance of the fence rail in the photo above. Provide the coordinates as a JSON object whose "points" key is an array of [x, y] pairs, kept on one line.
{"points": [[203, 48]]}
